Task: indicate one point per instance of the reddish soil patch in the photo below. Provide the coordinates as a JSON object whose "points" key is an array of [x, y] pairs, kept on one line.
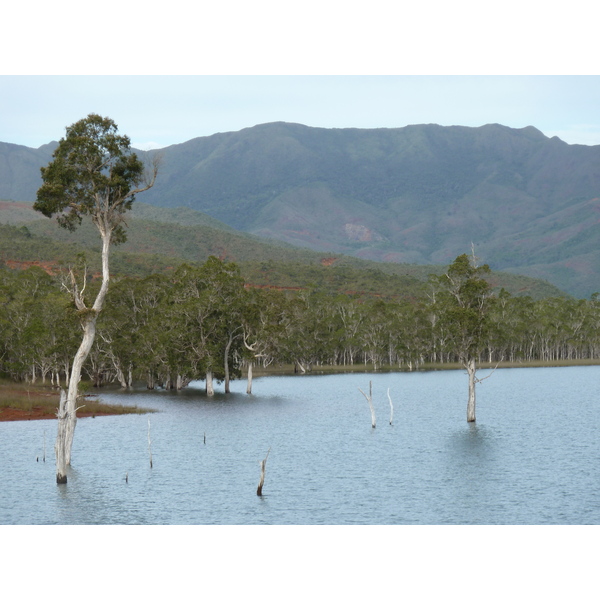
{"points": [[38, 413], [327, 262], [17, 414], [48, 265]]}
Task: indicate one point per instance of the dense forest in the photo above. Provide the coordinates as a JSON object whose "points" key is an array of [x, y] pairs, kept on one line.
{"points": [[206, 322]]}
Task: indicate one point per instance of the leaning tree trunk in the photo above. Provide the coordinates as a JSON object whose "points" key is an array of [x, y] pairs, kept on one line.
{"points": [[67, 417], [471, 369]]}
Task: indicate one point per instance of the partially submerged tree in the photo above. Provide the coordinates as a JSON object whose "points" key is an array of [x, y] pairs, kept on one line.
{"points": [[93, 174], [464, 300], [369, 399]]}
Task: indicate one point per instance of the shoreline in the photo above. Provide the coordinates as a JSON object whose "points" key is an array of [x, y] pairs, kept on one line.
{"points": [[21, 402], [42, 404], [40, 413]]}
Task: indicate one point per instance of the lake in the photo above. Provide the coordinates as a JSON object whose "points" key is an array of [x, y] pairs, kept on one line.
{"points": [[533, 457]]}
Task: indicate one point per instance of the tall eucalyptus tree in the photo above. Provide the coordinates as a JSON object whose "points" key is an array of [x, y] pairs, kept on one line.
{"points": [[464, 300], [93, 174]]}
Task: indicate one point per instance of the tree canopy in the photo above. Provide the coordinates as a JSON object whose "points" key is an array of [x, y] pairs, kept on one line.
{"points": [[178, 323], [93, 172]]}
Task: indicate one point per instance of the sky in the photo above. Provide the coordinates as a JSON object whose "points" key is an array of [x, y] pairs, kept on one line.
{"points": [[161, 110], [167, 76]]}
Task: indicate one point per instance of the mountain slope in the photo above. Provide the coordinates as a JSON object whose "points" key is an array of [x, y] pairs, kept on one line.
{"points": [[418, 194], [159, 242]]}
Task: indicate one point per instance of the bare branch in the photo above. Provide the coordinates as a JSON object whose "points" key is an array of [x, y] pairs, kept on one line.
{"points": [[483, 378], [150, 174]]}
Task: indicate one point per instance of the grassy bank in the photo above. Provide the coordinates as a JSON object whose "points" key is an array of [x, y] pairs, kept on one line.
{"points": [[23, 402]]}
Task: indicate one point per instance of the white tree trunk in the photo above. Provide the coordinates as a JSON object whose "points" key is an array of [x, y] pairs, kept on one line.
{"points": [[67, 417], [210, 390], [370, 401], [263, 464], [226, 363], [181, 382], [61, 439], [471, 370], [249, 384], [67, 373], [121, 378], [89, 332]]}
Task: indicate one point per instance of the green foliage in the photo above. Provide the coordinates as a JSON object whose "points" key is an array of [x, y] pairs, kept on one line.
{"points": [[92, 173], [462, 306], [178, 325]]}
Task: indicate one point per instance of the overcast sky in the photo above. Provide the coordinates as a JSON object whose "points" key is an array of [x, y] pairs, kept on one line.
{"points": [[323, 63], [156, 111]]}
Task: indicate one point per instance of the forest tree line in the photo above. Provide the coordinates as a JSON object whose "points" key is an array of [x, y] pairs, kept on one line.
{"points": [[205, 323]]}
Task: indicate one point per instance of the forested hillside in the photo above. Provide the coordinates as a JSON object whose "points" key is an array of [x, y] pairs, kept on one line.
{"points": [[157, 246], [419, 194], [200, 322]]}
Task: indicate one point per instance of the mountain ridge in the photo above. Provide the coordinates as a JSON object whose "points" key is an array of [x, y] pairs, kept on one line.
{"points": [[417, 194]]}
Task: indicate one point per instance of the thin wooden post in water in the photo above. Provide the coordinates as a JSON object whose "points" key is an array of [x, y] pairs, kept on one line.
{"points": [[262, 474], [370, 401], [149, 443]]}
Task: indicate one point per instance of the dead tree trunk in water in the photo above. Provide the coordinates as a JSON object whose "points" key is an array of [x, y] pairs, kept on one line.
{"points": [[391, 407], [149, 443], [473, 380], [370, 401], [471, 370], [262, 474], [62, 437], [67, 416]]}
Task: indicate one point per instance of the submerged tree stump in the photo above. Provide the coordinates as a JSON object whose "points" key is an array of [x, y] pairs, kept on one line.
{"points": [[370, 401], [149, 443], [262, 474]]}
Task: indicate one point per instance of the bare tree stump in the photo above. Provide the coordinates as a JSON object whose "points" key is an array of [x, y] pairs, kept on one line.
{"points": [[262, 474], [149, 443], [370, 401]]}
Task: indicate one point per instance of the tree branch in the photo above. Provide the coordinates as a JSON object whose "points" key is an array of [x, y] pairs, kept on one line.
{"points": [[477, 380]]}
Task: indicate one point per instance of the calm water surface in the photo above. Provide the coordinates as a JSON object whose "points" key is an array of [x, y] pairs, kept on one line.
{"points": [[533, 457]]}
